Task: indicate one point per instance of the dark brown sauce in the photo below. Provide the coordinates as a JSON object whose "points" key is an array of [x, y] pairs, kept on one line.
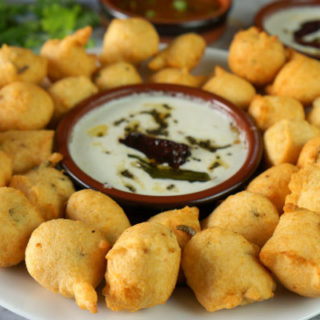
{"points": [[305, 29], [169, 9]]}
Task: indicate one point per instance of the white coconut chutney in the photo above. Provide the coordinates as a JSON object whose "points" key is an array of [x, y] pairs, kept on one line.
{"points": [[95, 148]]}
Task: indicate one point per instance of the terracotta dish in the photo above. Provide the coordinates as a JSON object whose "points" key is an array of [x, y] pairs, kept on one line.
{"points": [[296, 23], [72, 134], [210, 24]]}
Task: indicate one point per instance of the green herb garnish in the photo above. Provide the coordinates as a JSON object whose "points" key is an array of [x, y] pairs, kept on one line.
{"points": [[150, 14], [166, 172], [180, 5]]}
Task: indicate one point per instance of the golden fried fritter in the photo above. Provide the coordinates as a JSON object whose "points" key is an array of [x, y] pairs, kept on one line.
{"points": [[293, 252], [184, 52], [24, 106], [256, 56], [18, 218], [299, 79], [68, 57], [117, 74], [284, 140], [99, 211], [142, 267], [230, 87], [46, 187], [20, 64], [27, 148], [67, 257], [68, 92], [222, 269], [273, 183], [132, 40], [267, 110], [249, 214]]}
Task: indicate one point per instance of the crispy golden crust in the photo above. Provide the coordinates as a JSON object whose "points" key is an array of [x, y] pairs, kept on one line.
{"points": [[99, 211], [184, 52], [20, 64], [18, 218], [249, 214], [284, 140], [293, 254], [68, 92], [223, 271], [314, 115], [27, 148], [183, 222], [230, 87], [304, 189], [273, 183], [310, 153], [177, 76], [256, 56], [267, 110], [132, 40], [117, 74], [142, 267], [299, 79], [24, 106], [67, 257], [47, 188], [68, 57], [5, 168]]}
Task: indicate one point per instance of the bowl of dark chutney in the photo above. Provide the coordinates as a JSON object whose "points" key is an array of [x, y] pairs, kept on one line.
{"points": [[159, 146], [173, 17]]}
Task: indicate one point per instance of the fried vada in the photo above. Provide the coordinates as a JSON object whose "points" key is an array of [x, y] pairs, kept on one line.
{"points": [[68, 92], [67, 257], [256, 56], [304, 189], [99, 211], [46, 187], [267, 110], [230, 87], [223, 270], [68, 57], [184, 52], [20, 64], [142, 267], [293, 252], [117, 74], [284, 140], [24, 106], [299, 79], [250, 214], [131, 40], [27, 148], [273, 183], [18, 219]]}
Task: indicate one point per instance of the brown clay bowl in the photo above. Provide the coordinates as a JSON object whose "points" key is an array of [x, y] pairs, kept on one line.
{"points": [[294, 14], [240, 119], [210, 26]]}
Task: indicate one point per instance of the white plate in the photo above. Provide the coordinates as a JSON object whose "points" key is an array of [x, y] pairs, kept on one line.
{"points": [[22, 295]]}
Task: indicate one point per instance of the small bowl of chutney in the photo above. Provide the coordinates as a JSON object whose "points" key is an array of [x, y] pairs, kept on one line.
{"points": [[173, 17], [159, 146]]}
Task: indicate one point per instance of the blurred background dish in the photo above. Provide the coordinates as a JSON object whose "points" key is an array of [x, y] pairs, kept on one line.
{"points": [[296, 23], [173, 17]]}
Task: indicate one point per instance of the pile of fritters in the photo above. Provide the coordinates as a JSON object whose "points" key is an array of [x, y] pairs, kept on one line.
{"points": [[71, 239]]}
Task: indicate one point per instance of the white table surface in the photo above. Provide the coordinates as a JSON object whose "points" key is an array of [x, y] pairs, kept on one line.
{"points": [[241, 16]]}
